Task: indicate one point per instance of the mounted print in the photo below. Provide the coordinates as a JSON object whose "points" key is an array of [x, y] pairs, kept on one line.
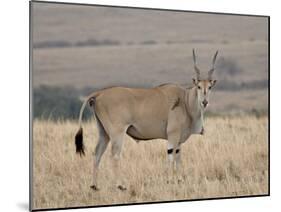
{"points": [[137, 105]]}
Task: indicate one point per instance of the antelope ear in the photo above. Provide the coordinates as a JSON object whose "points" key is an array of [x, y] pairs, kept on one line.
{"points": [[213, 82], [195, 81]]}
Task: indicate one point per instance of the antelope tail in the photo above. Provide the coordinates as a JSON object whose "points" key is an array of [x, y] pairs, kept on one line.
{"points": [[80, 148]]}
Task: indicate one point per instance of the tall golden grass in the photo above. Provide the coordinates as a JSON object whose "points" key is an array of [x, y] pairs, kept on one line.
{"points": [[231, 159]]}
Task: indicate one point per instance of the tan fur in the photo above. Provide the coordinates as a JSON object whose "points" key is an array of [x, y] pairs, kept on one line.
{"points": [[168, 111], [145, 113]]}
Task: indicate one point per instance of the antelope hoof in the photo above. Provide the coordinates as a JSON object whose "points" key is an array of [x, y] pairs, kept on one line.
{"points": [[202, 131], [180, 181], [94, 187], [122, 188]]}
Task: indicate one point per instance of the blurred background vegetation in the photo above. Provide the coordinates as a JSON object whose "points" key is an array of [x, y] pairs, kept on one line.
{"points": [[80, 49]]}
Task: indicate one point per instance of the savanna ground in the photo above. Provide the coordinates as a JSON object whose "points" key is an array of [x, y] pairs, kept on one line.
{"points": [[231, 159]]}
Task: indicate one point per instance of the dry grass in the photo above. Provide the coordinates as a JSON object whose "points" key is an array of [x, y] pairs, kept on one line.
{"points": [[231, 159]]}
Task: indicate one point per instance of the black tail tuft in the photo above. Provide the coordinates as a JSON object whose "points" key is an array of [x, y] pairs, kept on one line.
{"points": [[80, 149]]}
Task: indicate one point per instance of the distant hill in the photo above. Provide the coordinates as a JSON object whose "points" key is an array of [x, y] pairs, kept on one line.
{"points": [[96, 47]]}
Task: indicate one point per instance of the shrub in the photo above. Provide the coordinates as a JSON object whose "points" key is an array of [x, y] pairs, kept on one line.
{"points": [[226, 66]]}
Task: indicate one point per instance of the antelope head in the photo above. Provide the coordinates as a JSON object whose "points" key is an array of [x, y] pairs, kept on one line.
{"points": [[204, 85]]}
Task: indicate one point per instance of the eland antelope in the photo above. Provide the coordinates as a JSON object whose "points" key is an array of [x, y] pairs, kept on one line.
{"points": [[168, 111]]}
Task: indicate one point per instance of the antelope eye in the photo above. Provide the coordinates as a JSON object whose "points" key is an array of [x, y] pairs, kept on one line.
{"points": [[198, 87], [210, 87]]}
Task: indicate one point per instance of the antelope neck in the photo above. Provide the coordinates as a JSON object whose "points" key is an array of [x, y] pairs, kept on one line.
{"points": [[192, 104]]}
